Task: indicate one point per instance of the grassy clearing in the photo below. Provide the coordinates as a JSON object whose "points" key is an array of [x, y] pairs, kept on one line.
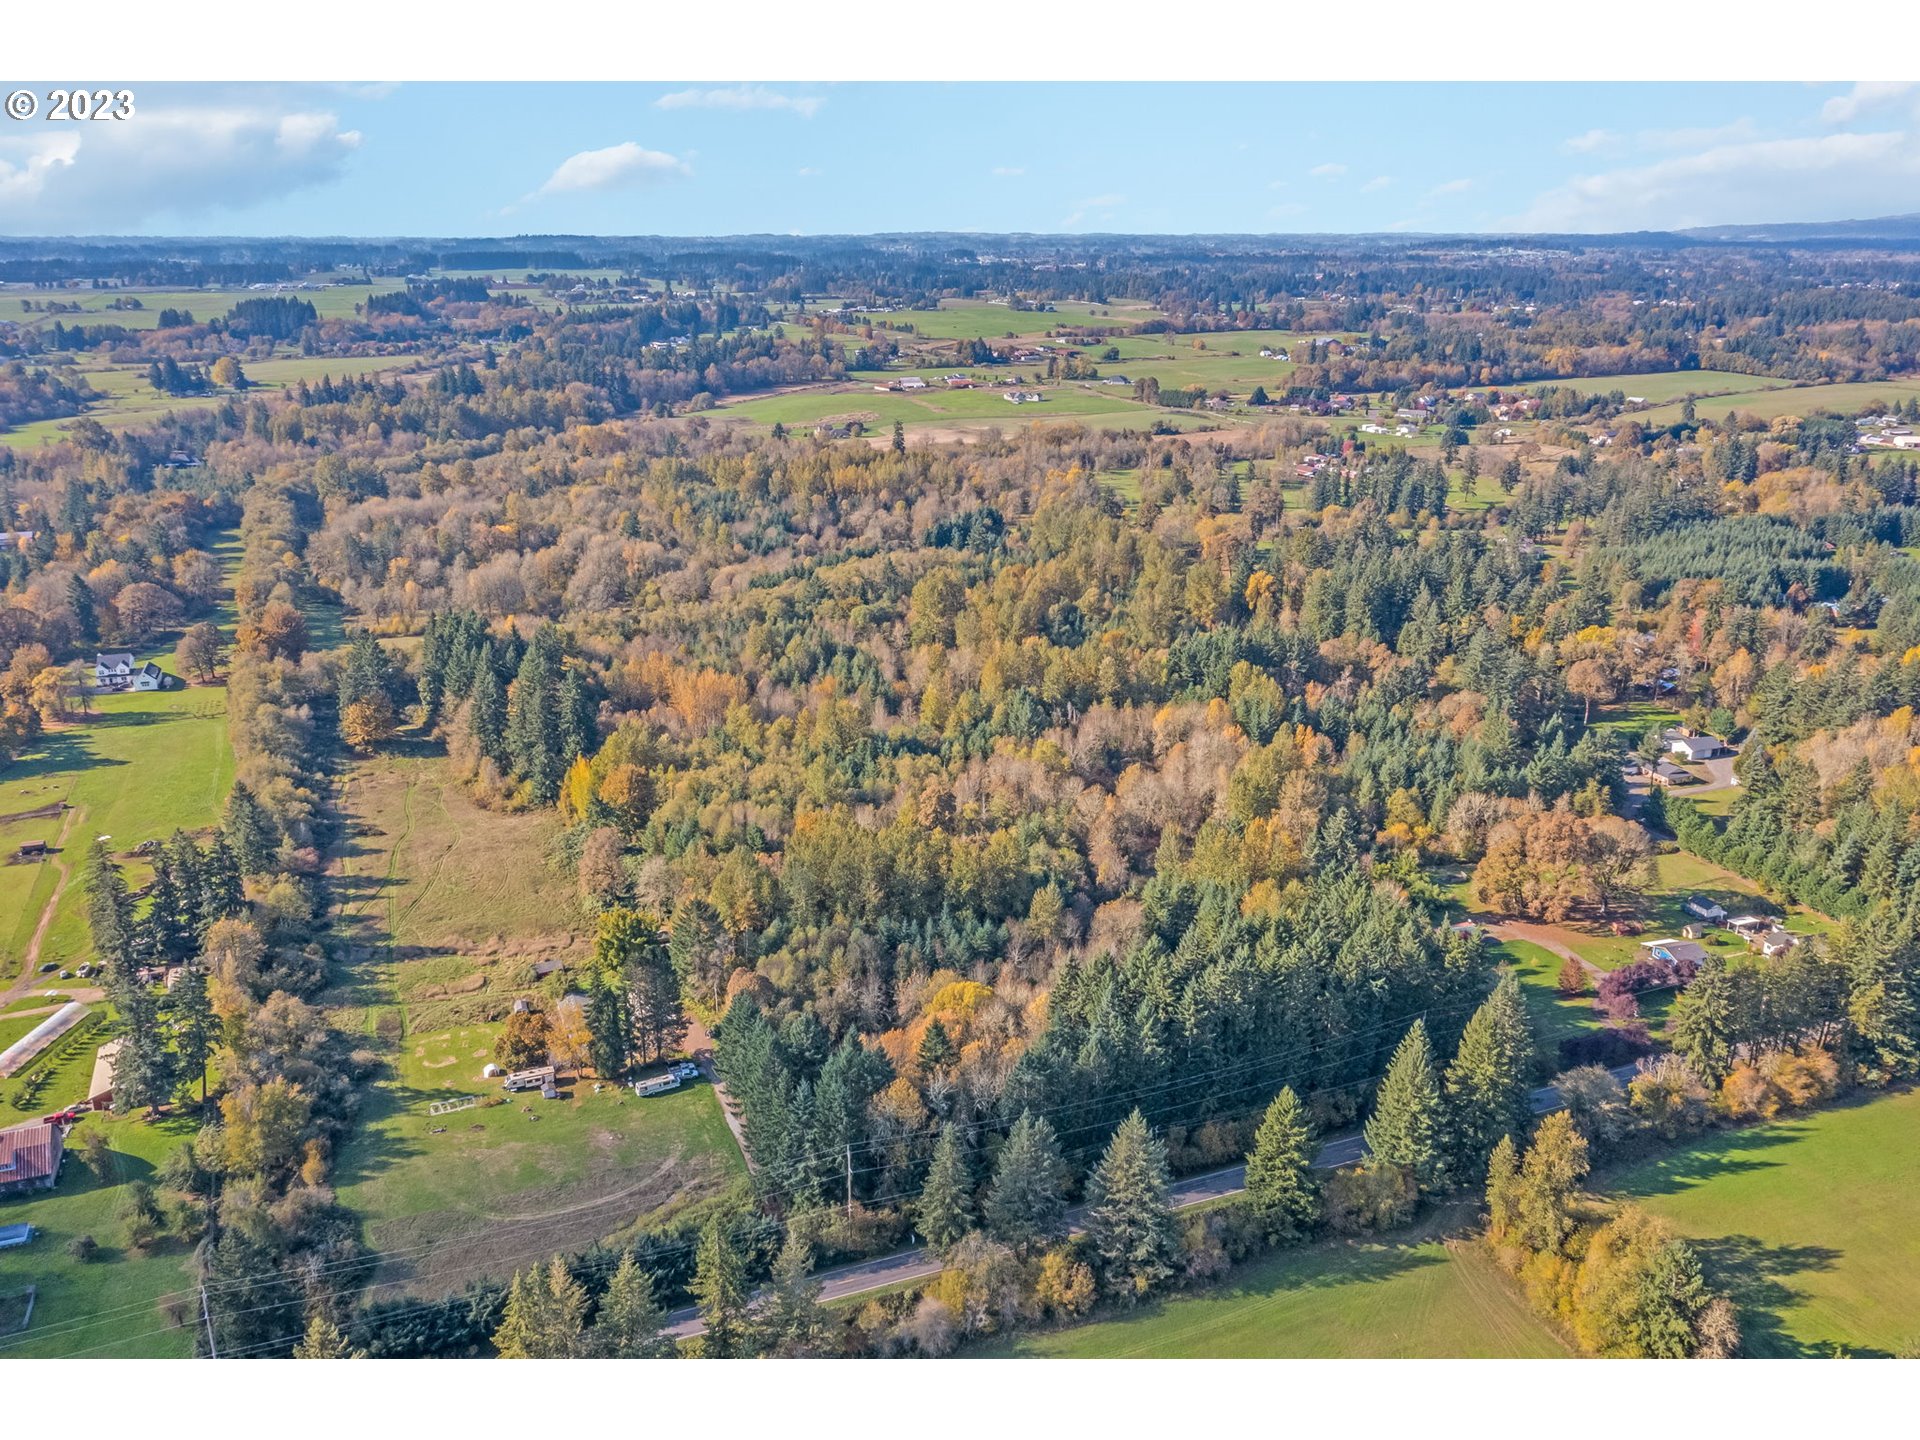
{"points": [[1555, 1017], [505, 1186], [980, 320], [1422, 1296], [139, 768], [334, 302], [121, 1303], [450, 910], [1768, 404], [1659, 385], [933, 406], [131, 401], [1808, 1223]]}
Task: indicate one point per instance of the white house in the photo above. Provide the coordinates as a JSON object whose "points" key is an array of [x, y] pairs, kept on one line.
{"points": [[119, 672], [1705, 908], [1695, 748]]}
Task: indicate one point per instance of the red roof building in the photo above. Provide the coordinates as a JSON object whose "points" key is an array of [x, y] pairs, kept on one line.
{"points": [[30, 1157]]}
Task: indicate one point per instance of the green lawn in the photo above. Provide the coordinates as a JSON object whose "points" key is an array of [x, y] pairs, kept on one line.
{"points": [[1659, 385], [1555, 1017], [120, 1303], [1423, 1297], [137, 769], [934, 406], [1809, 1223], [980, 320], [1767, 404]]}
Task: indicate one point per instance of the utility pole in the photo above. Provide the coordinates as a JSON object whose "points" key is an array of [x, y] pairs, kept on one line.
{"points": [[213, 1350], [849, 1179]]}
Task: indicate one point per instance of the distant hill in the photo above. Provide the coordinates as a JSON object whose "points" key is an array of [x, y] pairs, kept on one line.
{"points": [[1886, 228]]}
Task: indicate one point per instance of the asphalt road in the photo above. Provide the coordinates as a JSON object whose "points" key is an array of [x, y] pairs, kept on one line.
{"points": [[918, 1263]]}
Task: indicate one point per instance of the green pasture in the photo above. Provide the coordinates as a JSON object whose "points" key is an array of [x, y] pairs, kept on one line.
{"points": [[122, 1303], [1555, 1017], [1339, 1299], [335, 301], [1659, 385], [1807, 1222], [138, 768], [982, 320], [1764, 403], [933, 406]]}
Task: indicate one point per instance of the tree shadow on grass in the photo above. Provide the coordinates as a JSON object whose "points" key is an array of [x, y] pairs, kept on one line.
{"points": [[64, 752], [1756, 1277], [1709, 1158]]}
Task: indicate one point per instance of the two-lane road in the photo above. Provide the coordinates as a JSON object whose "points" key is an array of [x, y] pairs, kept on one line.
{"points": [[919, 1263]]}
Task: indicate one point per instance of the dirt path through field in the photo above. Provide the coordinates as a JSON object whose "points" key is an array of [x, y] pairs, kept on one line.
{"points": [[1545, 937], [24, 981]]}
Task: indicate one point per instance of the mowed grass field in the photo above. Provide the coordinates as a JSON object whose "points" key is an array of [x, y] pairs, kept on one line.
{"points": [[138, 768], [121, 1303], [1423, 1297], [1808, 1223], [1555, 1017], [981, 320], [935, 406], [1769, 404], [1658, 385], [449, 910], [203, 305]]}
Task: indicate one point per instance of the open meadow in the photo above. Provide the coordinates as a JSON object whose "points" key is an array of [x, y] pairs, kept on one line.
{"points": [[452, 912], [96, 306], [1417, 1296], [1807, 1222], [1763, 403], [120, 1302], [130, 400]]}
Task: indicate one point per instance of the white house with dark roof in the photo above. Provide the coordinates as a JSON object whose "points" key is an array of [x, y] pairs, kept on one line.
{"points": [[120, 671]]}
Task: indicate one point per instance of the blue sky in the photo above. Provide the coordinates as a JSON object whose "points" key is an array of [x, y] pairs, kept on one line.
{"points": [[715, 158]]}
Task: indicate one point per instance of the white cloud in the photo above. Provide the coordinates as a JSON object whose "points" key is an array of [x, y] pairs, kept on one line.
{"points": [[1008, 170], [181, 160], [741, 97], [1845, 175], [1378, 182], [1331, 168], [1593, 140], [1450, 187], [810, 172], [616, 166], [1867, 95]]}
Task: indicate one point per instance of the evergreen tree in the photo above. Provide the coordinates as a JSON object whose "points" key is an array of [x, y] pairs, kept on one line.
{"points": [[110, 913], [86, 621], [323, 1341], [631, 1324], [221, 895], [143, 1066], [250, 831], [791, 1321], [533, 737], [1130, 1228], [610, 1026], [630, 953], [579, 715], [937, 1049], [1280, 1184], [545, 1316], [720, 1290], [1487, 1083], [1669, 1296], [1503, 1178], [1026, 1204], [195, 1026], [488, 717], [1405, 1128], [945, 1210], [1541, 1195], [1703, 1027]]}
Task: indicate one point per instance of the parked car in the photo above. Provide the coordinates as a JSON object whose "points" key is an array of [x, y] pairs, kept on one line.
{"points": [[686, 1070]]}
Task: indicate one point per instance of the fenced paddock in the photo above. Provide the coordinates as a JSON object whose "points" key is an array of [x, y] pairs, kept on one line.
{"points": [[447, 1107]]}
